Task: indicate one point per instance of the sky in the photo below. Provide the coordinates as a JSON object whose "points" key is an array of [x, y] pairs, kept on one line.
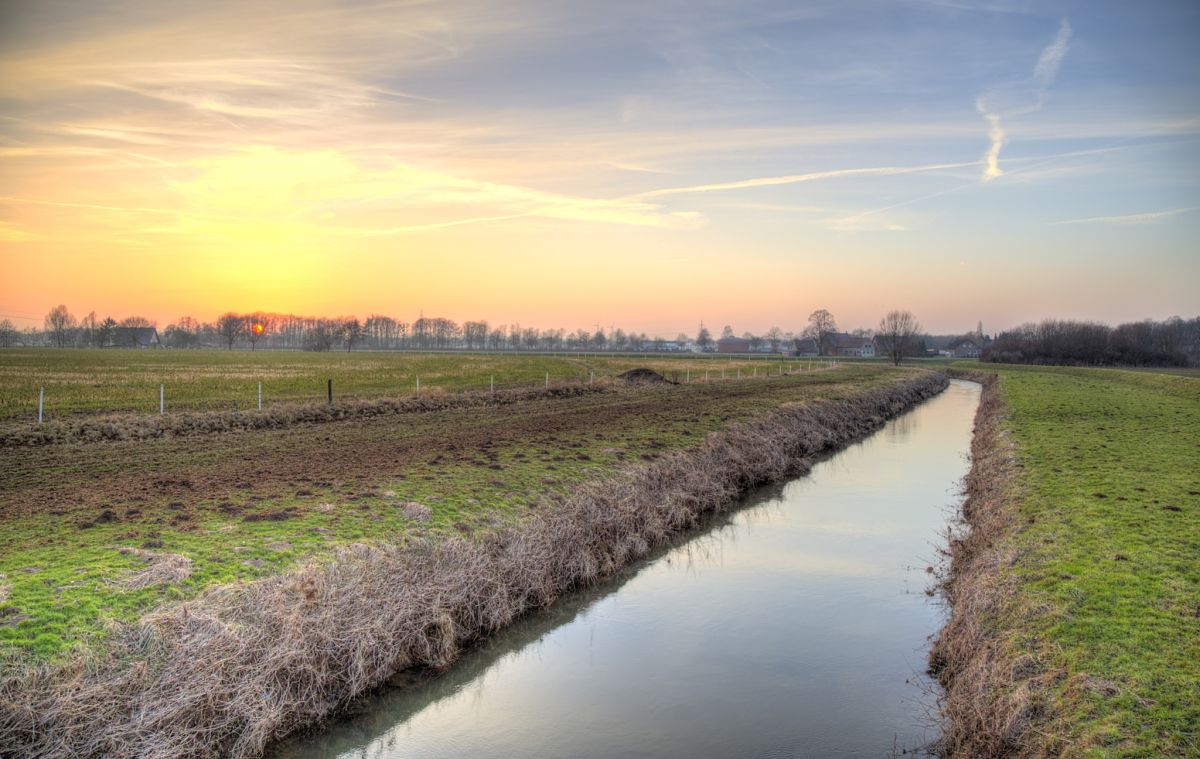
{"points": [[559, 163]]}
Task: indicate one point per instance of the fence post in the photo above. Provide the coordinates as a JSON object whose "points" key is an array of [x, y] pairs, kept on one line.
{"points": [[493, 384], [41, 401], [592, 377], [547, 379], [329, 388], [260, 396], [418, 386], [160, 400], [689, 377]]}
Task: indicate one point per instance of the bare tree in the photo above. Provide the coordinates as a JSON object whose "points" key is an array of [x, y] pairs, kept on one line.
{"points": [[703, 337], [775, 337], [59, 324], [350, 331], [230, 327], [8, 334], [897, 334], [820, 326]]}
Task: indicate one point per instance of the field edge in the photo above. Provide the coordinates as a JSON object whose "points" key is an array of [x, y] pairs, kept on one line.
{"points": [[239, 667]]}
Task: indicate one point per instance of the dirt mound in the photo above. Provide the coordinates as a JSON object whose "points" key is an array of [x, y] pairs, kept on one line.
{"points": [[643, 376]]}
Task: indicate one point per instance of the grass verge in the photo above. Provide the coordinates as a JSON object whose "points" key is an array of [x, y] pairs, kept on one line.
{"points": [[1075, 592]]}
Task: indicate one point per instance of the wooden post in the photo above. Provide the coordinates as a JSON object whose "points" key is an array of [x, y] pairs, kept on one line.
{"points": [[160, 400], [329, 390], [547, 379], [493, 384], [41, 401], [418, 386], [260, 396]]}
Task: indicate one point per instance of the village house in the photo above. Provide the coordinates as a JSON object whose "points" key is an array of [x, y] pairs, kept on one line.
{"points": [[805, 346], [135, 337], [849, 346], [733, 345]]}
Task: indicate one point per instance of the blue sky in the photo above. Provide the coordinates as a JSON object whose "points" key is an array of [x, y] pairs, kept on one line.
{"points": [[652, 164]]}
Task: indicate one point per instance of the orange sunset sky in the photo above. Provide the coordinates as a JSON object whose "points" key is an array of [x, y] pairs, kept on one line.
{"points": [[567, 164]]}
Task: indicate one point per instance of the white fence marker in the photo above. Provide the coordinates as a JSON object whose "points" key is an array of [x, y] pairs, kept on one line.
{"points": [[41, 400], [418, 386], [547, 379], [260, 396], [160, 400]]}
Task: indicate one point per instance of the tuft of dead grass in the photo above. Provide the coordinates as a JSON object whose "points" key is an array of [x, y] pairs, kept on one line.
{"points": [[160, 569], [242, 665]]}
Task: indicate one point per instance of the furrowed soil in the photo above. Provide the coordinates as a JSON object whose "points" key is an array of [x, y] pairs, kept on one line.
{"points": [[96, 533], [1076, 594]]}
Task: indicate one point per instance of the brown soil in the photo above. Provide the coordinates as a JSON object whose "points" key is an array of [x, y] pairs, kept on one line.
{"points": [[225, 471], [644, 376]]}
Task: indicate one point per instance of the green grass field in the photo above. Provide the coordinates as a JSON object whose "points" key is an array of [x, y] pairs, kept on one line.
{"points": [[248, 504], [1110, 545], [114, 381]]}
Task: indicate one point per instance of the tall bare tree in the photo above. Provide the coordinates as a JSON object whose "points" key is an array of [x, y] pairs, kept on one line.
{"points": [[897, 333], [60, 324], [230, 327], [820, 326]]}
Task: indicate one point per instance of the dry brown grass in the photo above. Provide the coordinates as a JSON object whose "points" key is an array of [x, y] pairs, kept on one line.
{"points": [[992, 694], [160, 569], [240, 666]]}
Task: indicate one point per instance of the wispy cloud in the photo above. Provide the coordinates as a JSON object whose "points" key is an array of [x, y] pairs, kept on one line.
{"points": [[993, 106], [1150, 217], [741, 184], [1047, 65]]}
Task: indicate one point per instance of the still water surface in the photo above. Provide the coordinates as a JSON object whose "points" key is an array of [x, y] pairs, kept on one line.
{"points": [[795, 627]]}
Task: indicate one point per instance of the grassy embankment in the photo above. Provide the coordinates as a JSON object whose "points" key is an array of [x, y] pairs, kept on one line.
{"points": [[1093, 628], [94, 534], [114, 381]]}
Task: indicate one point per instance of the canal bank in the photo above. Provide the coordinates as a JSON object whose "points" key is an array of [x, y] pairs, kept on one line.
{"points": [[241, 666], [795, 625]]}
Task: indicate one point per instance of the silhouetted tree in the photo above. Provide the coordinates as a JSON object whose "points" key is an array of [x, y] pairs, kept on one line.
{"points": [[60, 325], [897, 334], [820, 326], [230, 327]]}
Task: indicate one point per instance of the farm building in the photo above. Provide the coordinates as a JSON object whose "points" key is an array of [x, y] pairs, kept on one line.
{"points": [[805, 346], [846, 345], [135, 337], [733, 345]]}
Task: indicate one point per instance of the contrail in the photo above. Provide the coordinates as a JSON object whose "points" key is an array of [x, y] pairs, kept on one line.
{"points": [[798, 178]]}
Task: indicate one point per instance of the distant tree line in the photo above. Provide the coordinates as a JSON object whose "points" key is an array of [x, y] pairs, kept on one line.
{"points": [[899, 334], [1173, 342], [377, 332]]}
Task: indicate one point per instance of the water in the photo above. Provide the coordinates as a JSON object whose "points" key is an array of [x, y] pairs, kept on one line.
{"points": [[797, 627]]}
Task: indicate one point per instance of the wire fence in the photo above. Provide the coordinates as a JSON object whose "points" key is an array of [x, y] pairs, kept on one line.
{"points": [[258, 396]]}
